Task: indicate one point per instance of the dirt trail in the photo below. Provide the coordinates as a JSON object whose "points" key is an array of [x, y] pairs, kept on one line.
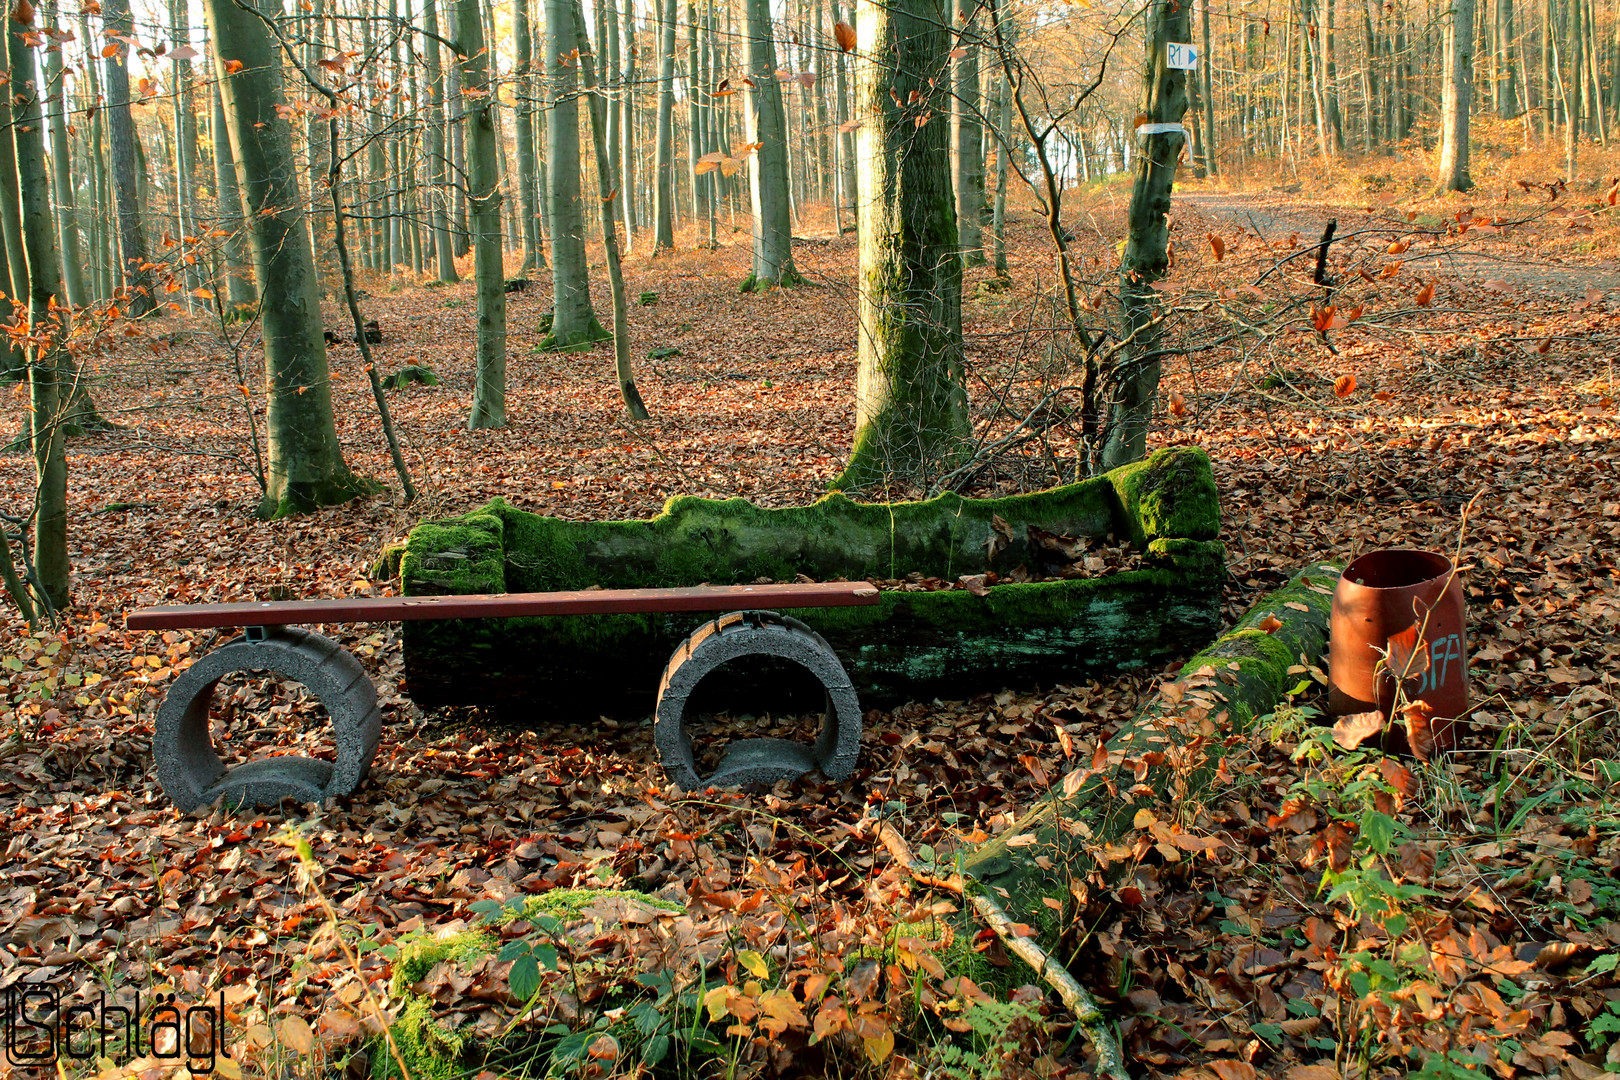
{"points": [[1522, 257]]}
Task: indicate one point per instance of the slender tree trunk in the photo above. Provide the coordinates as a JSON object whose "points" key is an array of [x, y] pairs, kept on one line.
{"points": [[67, 224], [15, 307], [1507, 79], [524, 130], [627, 125], [967, 134], [573, 321], [1003, 167], [846, 137], [1146, 258], [47, 398], [305, 467], [238, 283], [140, 298], [460, 238], [702, 186], [768, 169], [604, 176], [1457, 86], [911, 419], [664, 187], [484, 215], [315, 138], [824, 135], [1206, 71], [185, 153], [438, 164], [95, 169]]}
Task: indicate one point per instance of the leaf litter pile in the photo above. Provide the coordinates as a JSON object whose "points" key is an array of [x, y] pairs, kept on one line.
{"points": [[1322, 910]]}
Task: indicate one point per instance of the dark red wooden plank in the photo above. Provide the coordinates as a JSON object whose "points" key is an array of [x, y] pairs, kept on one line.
{"points": [[502, 605]]}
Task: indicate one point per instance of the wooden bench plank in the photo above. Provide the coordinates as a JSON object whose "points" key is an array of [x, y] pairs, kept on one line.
{"points": [[502, 605]]}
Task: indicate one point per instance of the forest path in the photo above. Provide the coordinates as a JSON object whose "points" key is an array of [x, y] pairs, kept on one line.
{"points": [[1544, 254]]}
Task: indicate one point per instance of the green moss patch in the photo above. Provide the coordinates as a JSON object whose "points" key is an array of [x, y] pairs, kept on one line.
{"points": [[1170, 493], [910, 645]]}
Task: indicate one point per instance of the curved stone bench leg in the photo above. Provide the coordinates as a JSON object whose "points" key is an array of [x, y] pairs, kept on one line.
{"points": [[188, 766], [757, 761]]}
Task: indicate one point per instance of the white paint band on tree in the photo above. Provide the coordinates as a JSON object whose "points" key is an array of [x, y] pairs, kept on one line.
{"points": [[1160, 129]]}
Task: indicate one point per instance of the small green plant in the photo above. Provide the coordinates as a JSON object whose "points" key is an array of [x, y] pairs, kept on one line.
{"points": [[998, 1037]]}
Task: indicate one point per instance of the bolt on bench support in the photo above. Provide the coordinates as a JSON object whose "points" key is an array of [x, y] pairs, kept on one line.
{"points": [[757, 761], [188, 765]]}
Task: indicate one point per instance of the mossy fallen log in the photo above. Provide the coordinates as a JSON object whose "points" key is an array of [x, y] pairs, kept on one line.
{"points": [[913, 645], [1169, 753]]}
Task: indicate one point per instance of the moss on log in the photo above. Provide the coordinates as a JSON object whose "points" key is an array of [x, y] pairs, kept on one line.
{"points": [[911, 645], [1169, 752]]}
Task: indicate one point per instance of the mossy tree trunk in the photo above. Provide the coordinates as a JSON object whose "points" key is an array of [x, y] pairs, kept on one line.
{"points": [[573, 320], [46, 398], [305, 467], [1222, 690], [1135, 381], [141, 298], [911, 418], [484, 216], [768, 168]]}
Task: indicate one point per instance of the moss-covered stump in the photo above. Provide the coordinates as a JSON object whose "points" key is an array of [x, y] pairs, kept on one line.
{"points": [[1168, 754], [912, 645]]}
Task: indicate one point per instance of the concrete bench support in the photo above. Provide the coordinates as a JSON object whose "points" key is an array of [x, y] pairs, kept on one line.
{"points": [[188, 766], [757, 761]]}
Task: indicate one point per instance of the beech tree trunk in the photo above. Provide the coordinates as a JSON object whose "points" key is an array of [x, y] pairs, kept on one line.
{"points": [[604, 177], [573, 320], [484, 218], [67, 225], [185, 156], [140, 298], [238, 284], [768, 167], [528, 173], [16, 280], [1457, 82], [438, 165], [1135, 382], [305, 467], [967, 135], [911, 419], [46, 397], [627, 126], [664, 166]]}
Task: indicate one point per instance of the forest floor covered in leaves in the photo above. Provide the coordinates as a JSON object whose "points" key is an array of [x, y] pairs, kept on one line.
{"points": [[1484, 925]]}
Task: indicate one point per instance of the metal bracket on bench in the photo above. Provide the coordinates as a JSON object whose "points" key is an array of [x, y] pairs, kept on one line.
{"points": [[259, 633], [756, 761]]}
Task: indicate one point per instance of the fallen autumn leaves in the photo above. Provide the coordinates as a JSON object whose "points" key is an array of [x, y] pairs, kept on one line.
{"points": [[1229, 958]]}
